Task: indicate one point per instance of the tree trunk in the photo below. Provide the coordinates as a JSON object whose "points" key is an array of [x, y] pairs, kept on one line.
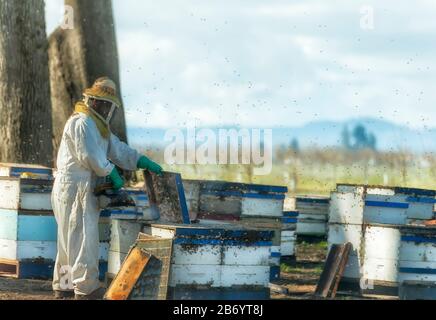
{"points": [[78, 57], [25, 107]]}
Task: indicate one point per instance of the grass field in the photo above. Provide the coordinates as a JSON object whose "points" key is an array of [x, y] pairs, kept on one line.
{"points": [[317, 171], [314, 178]]}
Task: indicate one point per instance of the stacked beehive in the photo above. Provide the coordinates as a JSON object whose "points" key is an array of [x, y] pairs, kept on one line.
{"points": [[118, 216], [417, 263], [28, 228], [207, 262], [313, 215], [288, 236], [248, 205], [371, 218], [227, 201]]}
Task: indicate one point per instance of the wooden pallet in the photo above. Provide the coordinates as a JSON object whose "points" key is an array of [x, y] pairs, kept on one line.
{"points": [[26, 269], [9, 268], [35, 269]]}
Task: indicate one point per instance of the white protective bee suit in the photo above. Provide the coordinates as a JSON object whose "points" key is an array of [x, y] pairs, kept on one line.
{"points": [[83, 156]]}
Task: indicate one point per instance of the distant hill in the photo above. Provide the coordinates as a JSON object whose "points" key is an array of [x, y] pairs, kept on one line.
{"points": [[390, 136]]}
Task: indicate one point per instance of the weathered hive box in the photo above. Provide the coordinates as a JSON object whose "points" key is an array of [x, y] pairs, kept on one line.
{"points": [[353, 204], [230, 201], [28, 229], [15, 170], [290, 220], [288, 243], [418, 254], [380, 258], [25, 194], [288, 234], [38, 250], [417, 263], [28, 243], [343, 233], [204, 257], [417, 290], [346, 225], [22, 225], [313, 215], [373, 264], [243, 205], [217, 203], [104, 233], [371, 218], [283, 241]]}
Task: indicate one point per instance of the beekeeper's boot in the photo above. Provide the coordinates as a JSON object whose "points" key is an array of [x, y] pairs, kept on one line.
{"points": [[59, 295], [95, 295]]}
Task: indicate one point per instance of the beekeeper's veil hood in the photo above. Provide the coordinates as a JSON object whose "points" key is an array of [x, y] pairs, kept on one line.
{"points": [[104, 91]]}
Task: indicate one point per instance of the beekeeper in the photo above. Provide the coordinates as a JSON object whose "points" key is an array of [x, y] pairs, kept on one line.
{"points": [[88, 150]]}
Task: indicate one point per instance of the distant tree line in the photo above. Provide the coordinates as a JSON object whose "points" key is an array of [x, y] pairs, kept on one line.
{"points": [[358, 138]]}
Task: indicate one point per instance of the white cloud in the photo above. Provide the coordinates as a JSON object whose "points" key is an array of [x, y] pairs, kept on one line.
{"points": [[289, 10], [311, 46], [263, 63]]}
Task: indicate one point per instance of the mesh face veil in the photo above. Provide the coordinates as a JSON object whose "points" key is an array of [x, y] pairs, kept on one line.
{"points": [[104, 109]]}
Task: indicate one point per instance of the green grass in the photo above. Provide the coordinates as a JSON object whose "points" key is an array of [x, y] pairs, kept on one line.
{"points": [[317, 270], [289, 269], [318, 245], [322, 245], [311, 179]]}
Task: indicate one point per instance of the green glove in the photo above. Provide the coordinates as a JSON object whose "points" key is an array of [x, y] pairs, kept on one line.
{"points": [[116, 179], [145, 163]]}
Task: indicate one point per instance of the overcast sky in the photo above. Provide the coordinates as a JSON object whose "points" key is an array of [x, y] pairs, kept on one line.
{"points": [[273, 63]]}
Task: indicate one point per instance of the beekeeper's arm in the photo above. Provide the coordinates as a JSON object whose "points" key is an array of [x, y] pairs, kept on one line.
{"points": [[129, 159], [89, 152]]}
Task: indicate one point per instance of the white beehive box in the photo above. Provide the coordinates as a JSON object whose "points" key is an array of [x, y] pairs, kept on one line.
{"points": [[221, 256], [25, 194], [237, 199], [417, 257], [31, 250], [380, 262], [357, 204]]}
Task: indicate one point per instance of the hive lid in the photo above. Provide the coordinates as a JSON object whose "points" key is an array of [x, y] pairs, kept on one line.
{"points": [[217, 186], [27, 171]]}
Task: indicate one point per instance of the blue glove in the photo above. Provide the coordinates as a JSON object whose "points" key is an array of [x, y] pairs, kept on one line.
{"points": [[116, 179], [145, 163]]}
